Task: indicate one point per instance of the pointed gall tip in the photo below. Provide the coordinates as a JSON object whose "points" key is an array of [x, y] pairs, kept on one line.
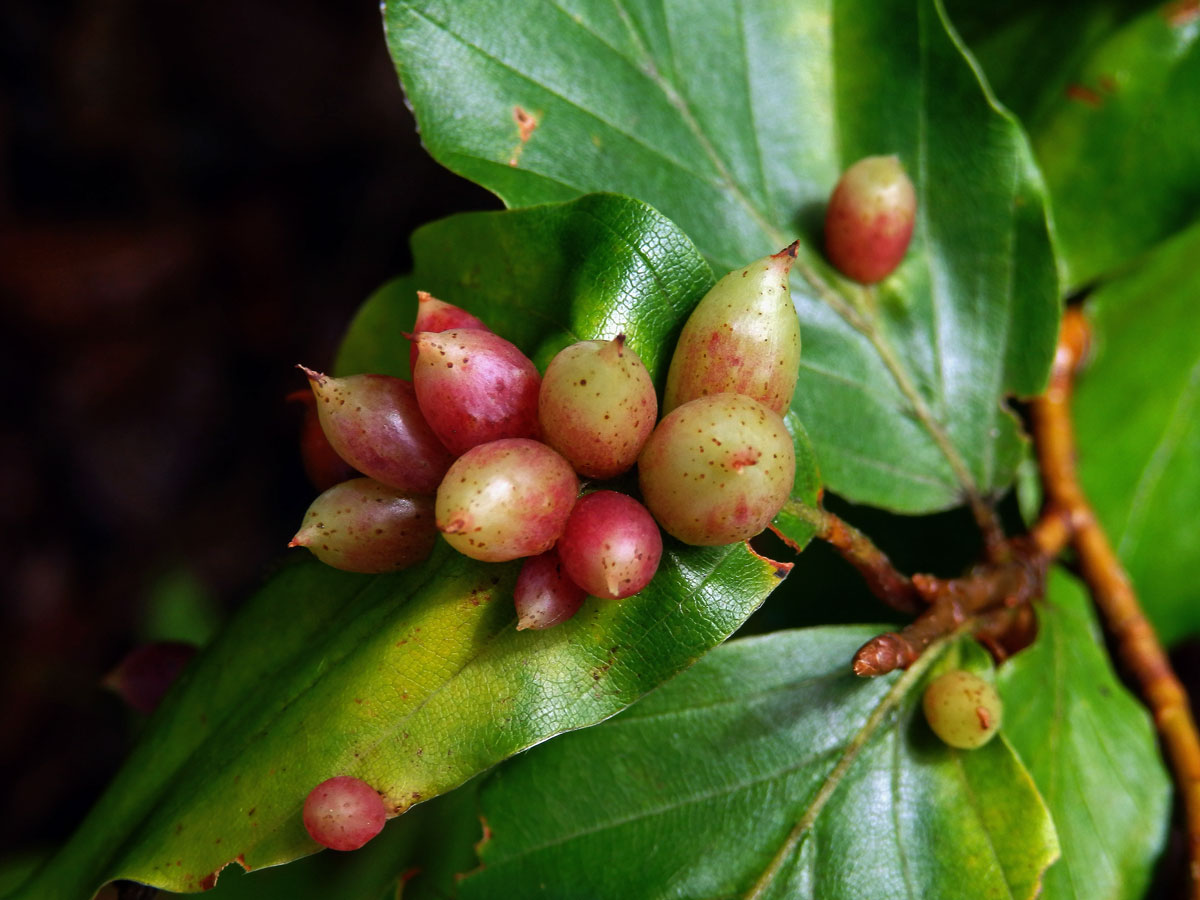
{"points": [[424, 297], [618, 344], [313, 375], [299, 540], [785, 257]]}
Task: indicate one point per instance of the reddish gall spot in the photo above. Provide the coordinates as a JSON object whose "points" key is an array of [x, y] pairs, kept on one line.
{"points": [[526, 124], [985, 718], [1082, 94]]}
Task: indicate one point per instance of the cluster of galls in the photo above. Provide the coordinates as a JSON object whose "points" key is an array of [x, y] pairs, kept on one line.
{"points": [[485, 451], [482, 449]]}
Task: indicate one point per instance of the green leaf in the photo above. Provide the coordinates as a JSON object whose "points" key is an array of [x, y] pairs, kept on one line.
{"points": [[375, 341], [1119, 151], [1115, 123], [413, 682], [734, 120], [543, 278], [411, 852], [1137, 414], [417, 681], [1091, 749], [1031, 50], [696, 789]]}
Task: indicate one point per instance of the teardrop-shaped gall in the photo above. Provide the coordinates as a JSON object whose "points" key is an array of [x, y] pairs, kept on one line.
{"points": [[717, 469], [544, 594], [597, 406], [506, 499], [375, 424], [611, 546], [438, 315], [321, 462], [474, 387], [364, 526], [869, 220], [743, 337]]}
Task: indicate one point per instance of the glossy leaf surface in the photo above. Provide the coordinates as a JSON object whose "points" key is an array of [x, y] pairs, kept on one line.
{"points": [[1137, 411], [413, 854], [412, 682], [1091, 749], [735, 121], [544, 278], [702, 781], [417, 681]]}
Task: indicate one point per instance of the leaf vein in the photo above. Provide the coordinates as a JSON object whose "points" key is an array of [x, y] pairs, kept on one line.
{"points": [[717, 793], [1157, 464]]}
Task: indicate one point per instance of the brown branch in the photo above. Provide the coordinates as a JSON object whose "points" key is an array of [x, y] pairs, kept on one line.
{"points": [[886, 582], [1137, 644], [990, 600], [993, 601]]}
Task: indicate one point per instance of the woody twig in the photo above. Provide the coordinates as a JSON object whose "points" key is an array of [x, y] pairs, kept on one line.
{"points": [[886, 582], [1137, 644], [992, 601]]}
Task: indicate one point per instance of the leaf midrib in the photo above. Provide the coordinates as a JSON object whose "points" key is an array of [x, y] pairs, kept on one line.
{"points": [[975, 805]]}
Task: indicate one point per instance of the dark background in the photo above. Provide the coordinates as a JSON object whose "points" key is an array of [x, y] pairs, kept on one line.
{"points": [[194, 198]]}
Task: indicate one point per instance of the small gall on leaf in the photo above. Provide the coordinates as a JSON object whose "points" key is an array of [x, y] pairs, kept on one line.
{"points": [[544, 594], [869, 220], [962, 709], [343, 813], [709, 492], [743, 337], [505, 500], [597, 406], [611, 545], [436, 315], [363, 526]]}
